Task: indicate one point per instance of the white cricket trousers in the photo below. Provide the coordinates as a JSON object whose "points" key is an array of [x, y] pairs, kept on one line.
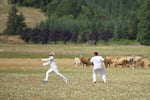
{"points": [[101, 71], [56, 71]]}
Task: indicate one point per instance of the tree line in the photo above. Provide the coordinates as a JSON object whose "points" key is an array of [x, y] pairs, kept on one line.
{"points": [[45, 36], [117, 19]]}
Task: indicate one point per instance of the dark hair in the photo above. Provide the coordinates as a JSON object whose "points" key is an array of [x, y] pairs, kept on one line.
{"points": [[96, 53]]}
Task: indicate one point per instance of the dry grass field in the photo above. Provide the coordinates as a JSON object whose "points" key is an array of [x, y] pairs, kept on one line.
{"points": [[21, 75], [21, 79]]}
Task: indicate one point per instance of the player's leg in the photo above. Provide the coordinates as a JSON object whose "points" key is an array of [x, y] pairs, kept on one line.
{"points": [[103, 75], [59, 74], [47, 74], [94, 75]]}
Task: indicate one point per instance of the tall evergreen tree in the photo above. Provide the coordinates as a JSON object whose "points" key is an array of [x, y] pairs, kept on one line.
{"points": [[15, 23], [144, 24]]}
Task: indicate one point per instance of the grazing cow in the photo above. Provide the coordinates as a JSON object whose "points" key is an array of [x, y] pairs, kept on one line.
{"points": [[108, 61], [124, 61], [112, 60], [120, 61], [129, 61], [139, 63], [77, 61], [85, 61], [137, 58]]}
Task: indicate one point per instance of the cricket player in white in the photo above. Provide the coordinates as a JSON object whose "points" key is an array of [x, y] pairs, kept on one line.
{"points": [[53, 67], [97, 61]]}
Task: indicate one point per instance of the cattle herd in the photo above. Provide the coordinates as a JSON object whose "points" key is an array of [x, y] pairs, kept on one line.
{"points": [[114, 61]]}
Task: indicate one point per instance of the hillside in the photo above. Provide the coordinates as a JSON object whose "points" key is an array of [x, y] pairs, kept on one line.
{"points": [[117, 19], [83, 20], [32, 15], [4, 8]]}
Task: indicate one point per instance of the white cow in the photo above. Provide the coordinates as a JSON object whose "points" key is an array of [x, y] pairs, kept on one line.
{"points": [[137, 58], [77, 61]]}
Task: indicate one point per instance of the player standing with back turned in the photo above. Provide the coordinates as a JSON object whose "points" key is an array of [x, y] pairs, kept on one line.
{"points": [[97, 61]]}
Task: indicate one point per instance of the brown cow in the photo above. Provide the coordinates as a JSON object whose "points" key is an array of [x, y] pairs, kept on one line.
{"points": [[108, 61], [120, 61], [85, 61], [139, 63]]}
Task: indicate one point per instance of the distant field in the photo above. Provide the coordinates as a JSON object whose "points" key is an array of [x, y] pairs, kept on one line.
{"points": [[21, 79], [70, 51], [30, 15]]}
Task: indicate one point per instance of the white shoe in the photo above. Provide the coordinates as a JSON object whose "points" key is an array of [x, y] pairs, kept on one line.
{"points": [[44, 80], [104, 81], [66, 80]]}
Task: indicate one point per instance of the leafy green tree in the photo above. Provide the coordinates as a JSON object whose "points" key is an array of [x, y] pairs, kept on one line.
{"points": [[69, 7], [84, 17], [52, 7], [132, 28], [15, 23], [144, 24]]}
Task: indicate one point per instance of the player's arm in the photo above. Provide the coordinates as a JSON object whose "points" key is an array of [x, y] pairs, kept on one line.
{"points": [[45, 59], [102, 59], [91, 61], [45, 64]]}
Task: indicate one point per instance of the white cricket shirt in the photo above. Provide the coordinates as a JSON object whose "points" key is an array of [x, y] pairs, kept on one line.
{"points": [[97, 61]]}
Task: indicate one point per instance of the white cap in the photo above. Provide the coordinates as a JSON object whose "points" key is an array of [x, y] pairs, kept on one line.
{"points": [[51, 53]]}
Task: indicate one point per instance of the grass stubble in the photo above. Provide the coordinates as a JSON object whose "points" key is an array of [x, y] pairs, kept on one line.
{"points": [[21, 79]]}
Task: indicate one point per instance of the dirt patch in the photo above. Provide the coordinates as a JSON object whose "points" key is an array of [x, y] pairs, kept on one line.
{"points": [[31, 64], [36, 64], [11, 39]]}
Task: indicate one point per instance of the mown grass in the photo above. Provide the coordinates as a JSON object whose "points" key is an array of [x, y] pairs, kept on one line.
{"points": [[122, 84], [21, 79], [21, 74]]}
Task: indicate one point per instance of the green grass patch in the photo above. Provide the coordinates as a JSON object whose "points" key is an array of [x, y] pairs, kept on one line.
{"points": [[70, 51], [19, 55], [29, 55]]}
